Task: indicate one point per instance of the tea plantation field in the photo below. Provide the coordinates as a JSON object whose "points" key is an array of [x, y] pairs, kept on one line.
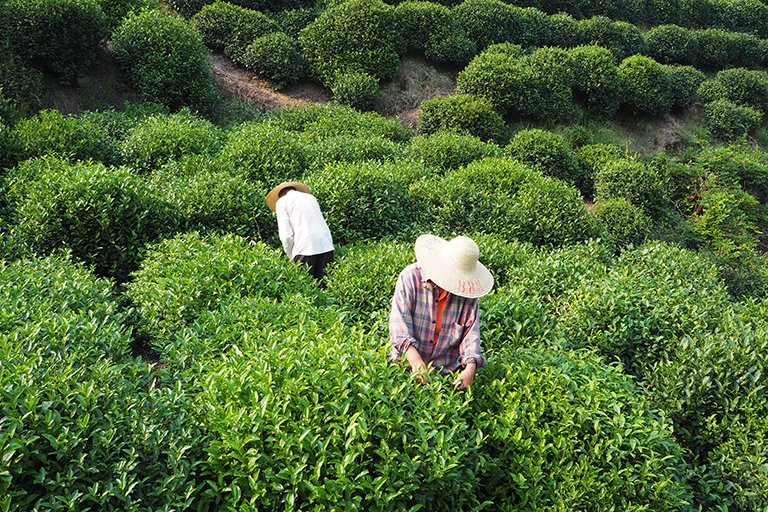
{"points": [[158, 351]]}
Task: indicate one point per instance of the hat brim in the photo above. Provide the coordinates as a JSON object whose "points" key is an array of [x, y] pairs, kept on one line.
{"points": [[431, 256], [274, 194]]}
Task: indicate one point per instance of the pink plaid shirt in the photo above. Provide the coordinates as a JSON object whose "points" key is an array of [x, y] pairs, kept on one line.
{"points": [[413, 320]]}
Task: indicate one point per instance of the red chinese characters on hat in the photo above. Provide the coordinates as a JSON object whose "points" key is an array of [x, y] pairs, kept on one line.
{"points": [[467, 286]]}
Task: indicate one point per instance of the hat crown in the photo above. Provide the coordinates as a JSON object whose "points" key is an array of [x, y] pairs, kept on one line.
{"points": [[464, 252]]}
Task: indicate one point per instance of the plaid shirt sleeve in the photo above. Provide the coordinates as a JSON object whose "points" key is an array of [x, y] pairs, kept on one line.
{"points": [[470, 343], [401, 325]]}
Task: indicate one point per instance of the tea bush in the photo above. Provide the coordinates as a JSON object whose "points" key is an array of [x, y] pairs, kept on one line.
{"points": [[265, 152], [565, 431], [562, 31], [351, 148], [183, 277], [116, 10], [735, 165], [158, 139], [511, 318], [671, 44], [61, 35], [647, 85], [726, 219], [624, 223], [356, 89], [368, 26], [117, 123], [596, 156], [366, 199], [322, 121], [621, 38], [225, 26], [464, 114], [727, 120], [10, 147], [486, 21], [738, 85], [83, 425], [686, 81], [22, 85], [432, 29], [596, 79], [361, 280], [653, 293], [208, 195], [337, 441], [51, 133], [548, 153], [642, 184], [105, 216], [445, 150], [166, 60], [276, 56], [188, 8], [293, 21]]}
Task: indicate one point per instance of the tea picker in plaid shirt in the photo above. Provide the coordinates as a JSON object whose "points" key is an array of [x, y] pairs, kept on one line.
{"points": [[435, 318]]}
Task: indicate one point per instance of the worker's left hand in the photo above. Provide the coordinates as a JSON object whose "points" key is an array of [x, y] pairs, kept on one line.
{"points": [[465, 378]]}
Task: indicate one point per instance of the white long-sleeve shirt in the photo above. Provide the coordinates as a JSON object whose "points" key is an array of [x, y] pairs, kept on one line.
{"points": [[301, 225]]}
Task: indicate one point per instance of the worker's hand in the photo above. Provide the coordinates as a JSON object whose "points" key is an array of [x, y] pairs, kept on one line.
{"points": [[417, 364], [466, 377]]}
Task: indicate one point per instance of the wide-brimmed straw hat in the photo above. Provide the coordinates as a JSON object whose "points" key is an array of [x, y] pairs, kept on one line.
{"points": [[453, 265], [274, 194]]}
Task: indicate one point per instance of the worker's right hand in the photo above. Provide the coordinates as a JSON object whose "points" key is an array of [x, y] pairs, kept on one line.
{"points": [[420, 371]]}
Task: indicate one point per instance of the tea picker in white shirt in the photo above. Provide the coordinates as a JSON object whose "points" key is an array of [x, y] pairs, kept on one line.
{"points": [[302, 228]]}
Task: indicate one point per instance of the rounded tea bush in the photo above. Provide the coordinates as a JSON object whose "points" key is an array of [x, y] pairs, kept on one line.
{"points": [[596, 79], [367, 26], [727, 120], [166, 60], [60, 35], [647, 85], [686, 81], [225, 26], [445, 150], [208, 195], [265, 152], [183, 277], [563, 430], [487, 21], [105, 216], [625, 223], [10, 147], [503, 76], [364, 200], [621, 38], [352, 148], [158, 139], [51, 133], [642, 184], [737, 85], [356, 89], [548, 153], [319, 121], [276, 56], [463, 113]]}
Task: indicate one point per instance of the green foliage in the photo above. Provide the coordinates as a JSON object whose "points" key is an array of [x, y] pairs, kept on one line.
{"points": [[361, 280], [293, 21], [624, 223], [276, 56], [10, 147], [548, 153], [158, 139], [596, 79], [708, 48], [671, 44], [503, 197], [321, 121], [432, 29], [229, 27], [366, 199], [352, 148], [83, 425], [486, 21], [368, 26], [726, 218], [105, 216], [653, 294], [51, 133], [446, 150], [116, 10], [189, 8], [544, 415], [22, 86], [737, 85], [562, 31], [182, 278], [621, 38], [62, 36], [464, 114], [685, 84], [209, 195], [727, 120], [356, 89], [118, 123], [265, 152], [735, 166], [166, 60], [641, 184], [647, 85]]}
